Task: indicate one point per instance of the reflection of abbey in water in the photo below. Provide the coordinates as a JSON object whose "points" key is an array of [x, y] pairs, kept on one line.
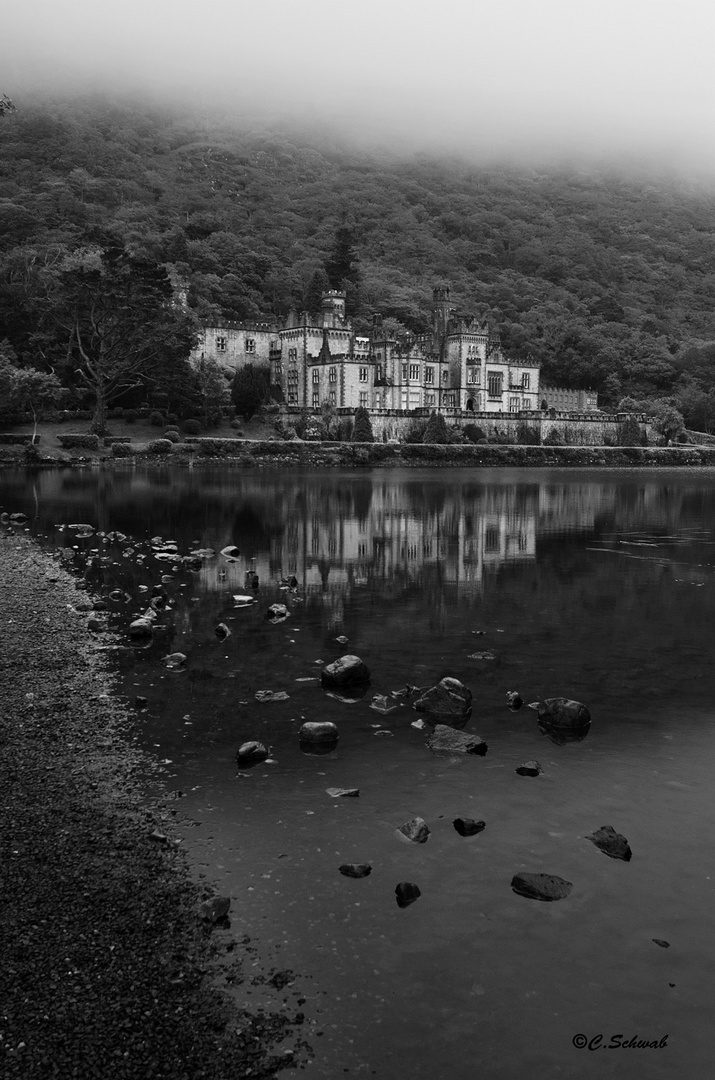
{"points": [[462, 539]]}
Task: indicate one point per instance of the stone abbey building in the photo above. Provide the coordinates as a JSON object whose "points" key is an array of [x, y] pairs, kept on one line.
{"points": [[459, 366]]}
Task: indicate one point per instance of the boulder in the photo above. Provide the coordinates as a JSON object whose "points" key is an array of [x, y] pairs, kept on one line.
{"points": [[241, 600], [486, 654], [231, 552], [562, 713], [346, 671], [415, 830], [251, 753], [529, 768], [320, 733], [611, 843], [514, 700], [174, 660], [356, 870], [343, 792], [277, 612], [214, 909], [468, 826], [141, 628], [222, 631], [406, 892], [449, 702], [447, 739], [541, 886]]}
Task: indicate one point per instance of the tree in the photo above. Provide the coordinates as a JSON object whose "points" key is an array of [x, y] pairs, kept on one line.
{"points": [[362, 430], [313, 296], [251, 389], [119, 321], [24, 389], [436, 430], [212, 392], [666, 421]]}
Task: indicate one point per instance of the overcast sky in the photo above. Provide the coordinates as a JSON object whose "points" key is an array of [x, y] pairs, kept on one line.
{"points": [[589, 75]]}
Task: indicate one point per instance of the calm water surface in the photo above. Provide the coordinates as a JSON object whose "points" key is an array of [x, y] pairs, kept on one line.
{"points": [[593, 585]]}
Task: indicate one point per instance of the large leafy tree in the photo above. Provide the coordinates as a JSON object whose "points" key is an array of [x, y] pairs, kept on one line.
{"points": [[24, 390], [118, 323]]}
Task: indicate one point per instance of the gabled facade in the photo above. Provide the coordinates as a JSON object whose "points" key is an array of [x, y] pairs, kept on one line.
{"points": [[459, 365]]}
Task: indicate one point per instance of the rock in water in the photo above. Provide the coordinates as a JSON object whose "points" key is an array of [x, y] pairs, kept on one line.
{"points": [[222, 631], [611, 843], [214, 909], [529, 768], [562, 715], [175, 660], [141, 628], [277, 613], [468, 826], [416, 830], [231, 552], [541, 886], [343, 792], [406, 892], [514, 700], [449, 702], [321, 733], [346, 671], [271, 695], [356, 870], [445, 738], [250, 753]]}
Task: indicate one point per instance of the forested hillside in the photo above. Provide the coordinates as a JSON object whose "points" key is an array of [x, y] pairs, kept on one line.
{"points": [[607, 279]]}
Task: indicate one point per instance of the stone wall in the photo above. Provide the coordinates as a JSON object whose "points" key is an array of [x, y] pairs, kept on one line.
{"points": [[575, 429]]}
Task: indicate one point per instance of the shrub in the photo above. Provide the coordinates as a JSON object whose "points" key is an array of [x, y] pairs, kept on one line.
{"points": [[130, 415], [436, 430], [362, 429], [629, 432], [121, 449], [110, 440], [79, 441], [192, 427], [31, 454], [156, 419], [117, 412], [172, 420], [416, 431], [526, 435], [159, 446], [172, 435], [554, 438], [474, 433]]}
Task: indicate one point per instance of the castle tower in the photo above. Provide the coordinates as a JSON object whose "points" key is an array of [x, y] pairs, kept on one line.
{"points": [[333, 309], [441, 310]]}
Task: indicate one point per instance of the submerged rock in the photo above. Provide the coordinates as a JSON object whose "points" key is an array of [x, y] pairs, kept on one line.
{"points": [[346, 671], [562, 718], [468, 826], [415, 830], [251, 753], [355, 870], [514, 700], [611, 843], [529, 768], [541, 886], [406, 893], [222, 631], [141, 628], [320, 733], [231, 553], [447, 739], [382, 704], [175, 660], [271, 695], [449, 702], [343, 792], [241, 600], [277, 612]]}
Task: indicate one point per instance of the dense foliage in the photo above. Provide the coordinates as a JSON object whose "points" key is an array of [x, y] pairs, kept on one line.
{"points": [[605, 278]]}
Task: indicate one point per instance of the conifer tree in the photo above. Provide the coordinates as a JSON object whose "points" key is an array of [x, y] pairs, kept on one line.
{"points": [[362, 431], [436, 430]]}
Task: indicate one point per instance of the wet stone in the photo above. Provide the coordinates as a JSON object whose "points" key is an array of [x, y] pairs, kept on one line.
{"points": [[468, 826], [406, 893], [446, 739], [415, 830], [251, 753], [346, 671], [529, 768], [611, 843], [355, 870], [541, 886]]}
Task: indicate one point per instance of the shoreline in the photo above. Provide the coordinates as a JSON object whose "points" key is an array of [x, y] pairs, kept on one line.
{"points": [[243, 453], [105, 959]]}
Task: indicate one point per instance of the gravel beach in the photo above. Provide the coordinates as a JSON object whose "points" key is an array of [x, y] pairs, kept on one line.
{"points": [[103, 956]]}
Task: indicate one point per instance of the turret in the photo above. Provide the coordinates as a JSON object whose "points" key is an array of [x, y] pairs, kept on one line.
{"points": [[333, 308]]}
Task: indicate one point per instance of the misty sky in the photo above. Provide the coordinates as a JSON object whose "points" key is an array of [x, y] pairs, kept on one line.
{"points": [[583, 75]]}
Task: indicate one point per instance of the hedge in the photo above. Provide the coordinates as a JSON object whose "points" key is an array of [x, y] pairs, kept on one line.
{"points": [[110, 440], [160, 446], [79, 441], [9, 438]]}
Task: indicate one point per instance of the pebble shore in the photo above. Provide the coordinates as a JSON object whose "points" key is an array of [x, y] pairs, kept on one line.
{"points": [[104, 961]]}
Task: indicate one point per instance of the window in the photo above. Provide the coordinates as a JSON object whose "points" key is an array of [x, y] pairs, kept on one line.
{"points": [[491, 539], [316, 375], [513, 404], [221, 344], [333, 374], [414, 371], [378, 372], [316, 399], [363, 398], [332, 397], [250, 344], [363, 374], [431, 399], [445, 376], [525, 404], [362, 551], [293, 356], [429, 375], [494, 384], [292, 398], [404, 372], [378, 355], [525, 380], [474, 376]]}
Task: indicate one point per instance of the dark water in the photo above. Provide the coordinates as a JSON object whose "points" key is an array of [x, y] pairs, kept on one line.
{"points": [[593, 585]]}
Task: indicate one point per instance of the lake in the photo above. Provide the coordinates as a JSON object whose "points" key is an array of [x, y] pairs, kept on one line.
{"points": [[596, 586]]}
